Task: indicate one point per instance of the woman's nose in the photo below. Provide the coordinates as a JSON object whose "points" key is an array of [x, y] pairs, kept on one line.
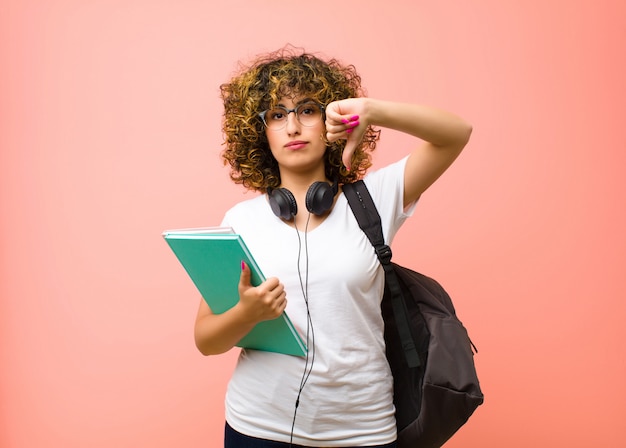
{"points": [[293, 125]]}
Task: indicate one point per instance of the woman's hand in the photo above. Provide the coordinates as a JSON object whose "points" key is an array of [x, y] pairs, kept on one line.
{"points": [[218, 333], [264, 302], [347, 119], [443, 135]]}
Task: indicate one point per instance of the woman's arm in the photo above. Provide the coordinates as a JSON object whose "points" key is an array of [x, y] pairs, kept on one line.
{"points": [[218, 333], [444, 135]]}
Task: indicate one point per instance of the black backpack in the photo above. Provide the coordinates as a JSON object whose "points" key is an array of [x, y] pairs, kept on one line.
{"points": [[436, 388]]}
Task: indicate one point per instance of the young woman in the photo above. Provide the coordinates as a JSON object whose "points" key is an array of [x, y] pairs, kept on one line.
{"points": [[296, 129]]}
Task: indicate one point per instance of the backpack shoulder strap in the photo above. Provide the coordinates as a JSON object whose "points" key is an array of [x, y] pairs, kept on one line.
{"points": [[367, 216]]}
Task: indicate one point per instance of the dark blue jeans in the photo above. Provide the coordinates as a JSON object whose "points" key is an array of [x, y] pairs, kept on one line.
{"points": [[234, 439]]}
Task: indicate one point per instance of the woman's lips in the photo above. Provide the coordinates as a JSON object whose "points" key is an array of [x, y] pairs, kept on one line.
{"points": [[295, 145]]}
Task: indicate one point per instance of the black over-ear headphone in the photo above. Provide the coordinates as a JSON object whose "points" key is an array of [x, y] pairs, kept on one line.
{"points": [[319, 199]]}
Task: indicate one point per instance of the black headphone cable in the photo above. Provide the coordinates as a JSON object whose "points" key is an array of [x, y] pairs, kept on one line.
{"points": [[310, 333]]}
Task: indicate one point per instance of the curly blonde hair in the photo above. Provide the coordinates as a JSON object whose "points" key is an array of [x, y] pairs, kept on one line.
{"points": [[260, 86]]}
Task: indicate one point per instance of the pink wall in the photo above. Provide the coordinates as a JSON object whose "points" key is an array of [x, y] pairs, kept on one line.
{"points": [[110, 133]]}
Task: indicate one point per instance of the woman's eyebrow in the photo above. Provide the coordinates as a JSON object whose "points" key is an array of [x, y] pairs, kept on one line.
{"points": [[297, 103]]}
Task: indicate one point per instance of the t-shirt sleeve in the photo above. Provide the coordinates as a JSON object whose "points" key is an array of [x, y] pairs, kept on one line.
{"points": [[386, 186]]}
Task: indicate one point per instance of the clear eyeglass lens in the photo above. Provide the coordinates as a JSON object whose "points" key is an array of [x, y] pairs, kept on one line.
{"points": [[308, 114]]}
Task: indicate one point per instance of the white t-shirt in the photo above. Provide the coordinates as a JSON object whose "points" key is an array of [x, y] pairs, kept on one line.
{"points": [[348, 398]]}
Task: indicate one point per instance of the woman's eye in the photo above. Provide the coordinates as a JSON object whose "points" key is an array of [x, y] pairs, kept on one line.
{"points": [[277, 115], [310, 109]]}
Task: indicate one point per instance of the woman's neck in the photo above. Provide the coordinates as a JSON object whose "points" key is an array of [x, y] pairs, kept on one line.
{"points": [[299, 183]]}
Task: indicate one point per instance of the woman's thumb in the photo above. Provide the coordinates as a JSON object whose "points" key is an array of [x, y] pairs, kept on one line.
{"points": [[244, 280], [346, 157]]}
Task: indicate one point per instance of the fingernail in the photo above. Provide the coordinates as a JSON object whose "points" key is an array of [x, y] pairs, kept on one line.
{"points": [[344, 121], [354, 117], [347, 168], [349, 130], [354, 124], [243, 265]]}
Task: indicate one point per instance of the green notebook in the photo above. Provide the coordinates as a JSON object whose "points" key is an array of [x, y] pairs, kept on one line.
{"points": [[212, 257]]}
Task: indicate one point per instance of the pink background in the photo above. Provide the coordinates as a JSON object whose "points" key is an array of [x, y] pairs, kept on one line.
{"points": [[110, 133]]}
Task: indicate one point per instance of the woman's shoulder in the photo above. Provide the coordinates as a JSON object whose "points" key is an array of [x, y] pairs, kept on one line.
{"points": [[250, 216], [388, 173], [248, 205], [246, 210]]}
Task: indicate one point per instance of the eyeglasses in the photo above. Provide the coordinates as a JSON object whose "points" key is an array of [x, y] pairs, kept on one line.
{"points": [[308, 114]]}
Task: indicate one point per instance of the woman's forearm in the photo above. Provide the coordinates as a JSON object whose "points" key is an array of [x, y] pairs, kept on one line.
{"points": [[218, 333], [438, 127]]}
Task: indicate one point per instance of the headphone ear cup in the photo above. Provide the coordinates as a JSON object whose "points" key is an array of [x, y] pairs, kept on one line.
{"points": [[283, 203], [319, 198]]}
